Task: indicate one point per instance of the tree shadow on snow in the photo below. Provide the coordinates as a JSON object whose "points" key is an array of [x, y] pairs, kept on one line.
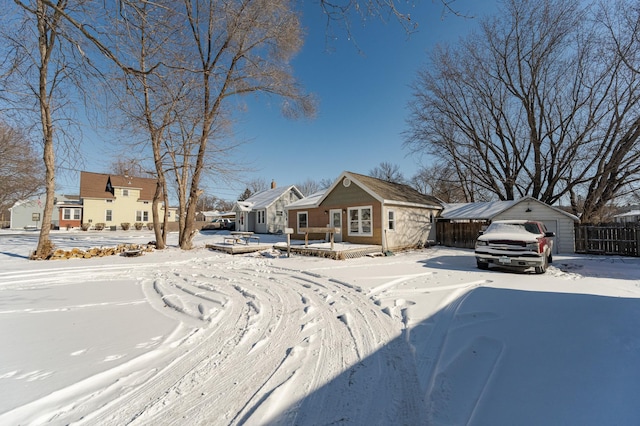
{"points": [[6, 253]]}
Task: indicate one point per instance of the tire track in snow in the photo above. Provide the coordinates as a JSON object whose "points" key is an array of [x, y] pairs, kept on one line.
{"points": [[280, 336]]}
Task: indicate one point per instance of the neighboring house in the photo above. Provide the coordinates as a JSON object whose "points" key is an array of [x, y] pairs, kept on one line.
{"points": [[264, 212], [114, 200], [28, 213], [556, 220], [368, 211], [632, 216], [70, 212]]}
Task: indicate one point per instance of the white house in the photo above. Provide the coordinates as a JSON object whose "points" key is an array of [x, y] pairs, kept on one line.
{"points": [[264, 212], [632, 216]]}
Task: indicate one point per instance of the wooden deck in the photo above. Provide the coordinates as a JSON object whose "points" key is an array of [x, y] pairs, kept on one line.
{"points": [[239, 248], [339, 251]]}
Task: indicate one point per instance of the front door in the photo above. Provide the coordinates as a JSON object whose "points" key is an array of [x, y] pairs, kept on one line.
{"points": [[335, 221], [241, 224]]}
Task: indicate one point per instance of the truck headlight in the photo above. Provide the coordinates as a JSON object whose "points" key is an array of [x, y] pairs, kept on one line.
{"points": [[533, 247], [480, 243]]}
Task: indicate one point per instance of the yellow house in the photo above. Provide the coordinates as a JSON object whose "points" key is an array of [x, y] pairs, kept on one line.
{"points": [[114, 200]]}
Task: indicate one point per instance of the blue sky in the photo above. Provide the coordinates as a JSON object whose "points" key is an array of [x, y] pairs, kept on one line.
{"points": [[363, 89]]}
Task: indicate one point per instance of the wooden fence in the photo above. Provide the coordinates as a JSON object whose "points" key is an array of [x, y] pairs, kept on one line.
{"points": [[589, 239], [461, 235], [608, 239]]}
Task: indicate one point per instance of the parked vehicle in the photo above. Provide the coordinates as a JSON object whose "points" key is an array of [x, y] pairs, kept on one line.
{"points": [[220, 223], [515, 243]]}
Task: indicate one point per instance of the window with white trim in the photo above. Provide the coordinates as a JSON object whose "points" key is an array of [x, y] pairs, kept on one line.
{"points": [[391, 219], [66, 214], [261, 215], [108, 216], [125, 192], [303, 221], [360, 223], [142, 216], [76, 214]]}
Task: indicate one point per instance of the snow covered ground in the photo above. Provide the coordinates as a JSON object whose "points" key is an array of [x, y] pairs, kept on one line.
{"points": [[203, 337]]}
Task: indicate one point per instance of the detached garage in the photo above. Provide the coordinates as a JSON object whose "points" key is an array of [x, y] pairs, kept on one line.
{"points": [[556, 220]]}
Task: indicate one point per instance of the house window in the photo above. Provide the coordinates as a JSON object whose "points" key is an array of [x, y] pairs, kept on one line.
{"points": [[360, 221], [67, 214], [303, 221], [108, 215], [392, 220], [125, 192], [142, 216], [146, 202], [76, 214], [261, 217], [109, 201]]}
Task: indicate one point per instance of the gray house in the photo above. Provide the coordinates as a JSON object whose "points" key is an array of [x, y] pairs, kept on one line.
{"points": [[27, 214], [556, 220], [264, 212]]}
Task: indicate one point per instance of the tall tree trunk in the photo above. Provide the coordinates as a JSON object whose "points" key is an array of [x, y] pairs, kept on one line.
{"points": [[46, 41]]}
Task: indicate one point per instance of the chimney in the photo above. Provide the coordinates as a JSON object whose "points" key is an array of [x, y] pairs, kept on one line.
{"points": [[273, 184]]}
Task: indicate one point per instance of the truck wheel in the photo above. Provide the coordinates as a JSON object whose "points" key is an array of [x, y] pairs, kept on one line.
{"points": [[543, 268], [482, 265]]}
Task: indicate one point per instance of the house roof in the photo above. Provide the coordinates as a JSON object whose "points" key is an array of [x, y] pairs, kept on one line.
{"points": [[488, 210], [265, 199], [310, 201], [387, 192], [629, 213], [92, 185]]}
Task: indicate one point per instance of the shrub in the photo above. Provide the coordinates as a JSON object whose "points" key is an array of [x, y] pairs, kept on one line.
{"points": [[99, 226], [125, 226], [150, 226], [138, 225], [85, 226]]}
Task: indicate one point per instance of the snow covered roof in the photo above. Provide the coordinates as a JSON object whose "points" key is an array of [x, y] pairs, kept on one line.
{"points": [[310, 201], [265, 199], [478, 211], [488, 210], [629, 213]]}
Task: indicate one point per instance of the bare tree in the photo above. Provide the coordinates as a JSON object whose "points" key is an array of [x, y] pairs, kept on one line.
{"points": [[388, 172], [311, 186], [43, 67], [622, 20], [19, 179], [342, 13], [151, 93], [532, 105], [253, 187], [128, 167], [444, 182]]}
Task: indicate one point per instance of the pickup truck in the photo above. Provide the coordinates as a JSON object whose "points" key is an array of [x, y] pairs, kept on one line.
{"points": [[521, 244]]}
